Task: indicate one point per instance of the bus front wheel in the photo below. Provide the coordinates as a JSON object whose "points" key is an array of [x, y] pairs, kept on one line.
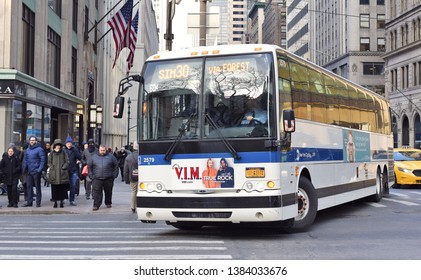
{"points": [[307, 204]]}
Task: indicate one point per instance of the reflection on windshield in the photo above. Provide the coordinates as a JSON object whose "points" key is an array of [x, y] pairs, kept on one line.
{"points": [[238, 97], [407, 156]]}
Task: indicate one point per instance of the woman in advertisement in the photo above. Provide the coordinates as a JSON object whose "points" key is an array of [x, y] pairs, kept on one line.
{"points": [[209, 175]]}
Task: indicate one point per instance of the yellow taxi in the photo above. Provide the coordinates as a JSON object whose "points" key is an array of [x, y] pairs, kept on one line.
{"points": [[407, 166]]}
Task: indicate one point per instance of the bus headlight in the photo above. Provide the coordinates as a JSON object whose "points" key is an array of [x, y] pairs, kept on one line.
{"points": [[151, 187], [255, 186]]}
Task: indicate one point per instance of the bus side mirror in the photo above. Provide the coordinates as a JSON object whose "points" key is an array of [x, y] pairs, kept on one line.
{"points": [[118, 107], [289, 120]]}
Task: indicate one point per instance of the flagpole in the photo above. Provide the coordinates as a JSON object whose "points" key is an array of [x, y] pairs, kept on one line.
{"points": [[96, 23], [102, 37]]}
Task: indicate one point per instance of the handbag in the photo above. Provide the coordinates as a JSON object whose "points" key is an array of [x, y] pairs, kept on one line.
{"points": [[134, 176], [85, 171]]}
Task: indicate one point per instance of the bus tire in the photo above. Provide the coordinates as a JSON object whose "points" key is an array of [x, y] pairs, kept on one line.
{"points": [[307, 205], [379, 188]]}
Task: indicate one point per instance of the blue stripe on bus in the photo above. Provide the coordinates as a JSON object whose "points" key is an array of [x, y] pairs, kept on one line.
{"points": [[295, 155]]}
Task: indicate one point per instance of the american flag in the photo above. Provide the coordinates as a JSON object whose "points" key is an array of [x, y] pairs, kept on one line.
{"points": [[119, 23], [132, 38]]}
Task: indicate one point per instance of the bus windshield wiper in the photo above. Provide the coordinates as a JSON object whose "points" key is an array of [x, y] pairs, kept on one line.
{"points": [[182, 130], [224, 140]]}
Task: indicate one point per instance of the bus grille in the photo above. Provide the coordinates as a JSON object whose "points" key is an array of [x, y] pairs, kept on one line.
{"points": [[417, 172], [202, 214]]}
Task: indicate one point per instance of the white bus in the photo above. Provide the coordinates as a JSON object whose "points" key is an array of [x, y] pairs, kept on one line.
{"points": [[255, 134]]}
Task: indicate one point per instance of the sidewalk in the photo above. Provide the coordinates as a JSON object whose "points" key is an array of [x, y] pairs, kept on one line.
{"points": [[120, 199]]}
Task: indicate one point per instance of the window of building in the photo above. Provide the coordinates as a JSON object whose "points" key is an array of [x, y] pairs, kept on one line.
{"points": [[364, 2], [28, 41], [74, 71], [419, 73], [55, 5], [365, 21], [381, 44], [364, 44], [373, 68], [53, 58], [74, 18], [86, 24], [381, 20], [380, 2]]}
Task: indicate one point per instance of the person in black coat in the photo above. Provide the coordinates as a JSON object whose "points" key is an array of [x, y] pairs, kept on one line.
{"points": [[11, 168]]}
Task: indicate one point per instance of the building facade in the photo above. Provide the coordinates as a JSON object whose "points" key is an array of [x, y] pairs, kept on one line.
{"points": [[121, 132], [274, 26], [403, 70], [43, 85], [348, 38], [298, 35]]}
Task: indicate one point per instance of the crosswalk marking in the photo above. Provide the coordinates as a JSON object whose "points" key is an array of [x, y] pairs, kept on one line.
{"points": [[408, 203], [376, 204], [76, 240], [116, 257]]}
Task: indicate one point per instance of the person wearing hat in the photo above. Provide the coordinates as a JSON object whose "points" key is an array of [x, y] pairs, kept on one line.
{"points": [[86, 156], [121, 157], [130, 164], [74, 159], [58, 176], [33, 164]]}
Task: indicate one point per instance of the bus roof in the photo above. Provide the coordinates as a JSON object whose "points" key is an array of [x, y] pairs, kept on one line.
{"points": [[213, 50], [247, 48]]}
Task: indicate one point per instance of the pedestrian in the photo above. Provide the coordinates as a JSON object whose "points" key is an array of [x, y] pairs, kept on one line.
{"points": [[11, 168], [74, 159], [103, 169], [87, 154], [58, 175], [121, 157], [16, 151], [130, 164], [25, 146], [47, 150], [33, 163]]}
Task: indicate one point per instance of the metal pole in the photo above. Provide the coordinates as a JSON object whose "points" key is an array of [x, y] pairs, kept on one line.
{"points": [[168, 36], [202, 24], [128, 121]]}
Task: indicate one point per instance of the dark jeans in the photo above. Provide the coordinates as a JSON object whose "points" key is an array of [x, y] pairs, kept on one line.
{"points": [[98, 187], [13, 194], [74, 180], [33, 181]]}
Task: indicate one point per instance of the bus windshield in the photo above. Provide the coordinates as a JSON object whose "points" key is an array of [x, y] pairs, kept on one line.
{"points": [[212, 97]]}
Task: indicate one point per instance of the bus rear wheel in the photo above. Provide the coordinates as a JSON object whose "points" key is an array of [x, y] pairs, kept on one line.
{"points": [[380, 183], [307, 205]]}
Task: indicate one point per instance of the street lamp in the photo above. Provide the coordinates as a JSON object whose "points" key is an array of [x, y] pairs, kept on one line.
{"points": [[128, 121], [99, 116], [99, 121], [92, 115]]}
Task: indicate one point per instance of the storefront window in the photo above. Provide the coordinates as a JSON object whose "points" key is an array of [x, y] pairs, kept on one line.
{"points": [[33, 116], [47, 125], [17, 123]]}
